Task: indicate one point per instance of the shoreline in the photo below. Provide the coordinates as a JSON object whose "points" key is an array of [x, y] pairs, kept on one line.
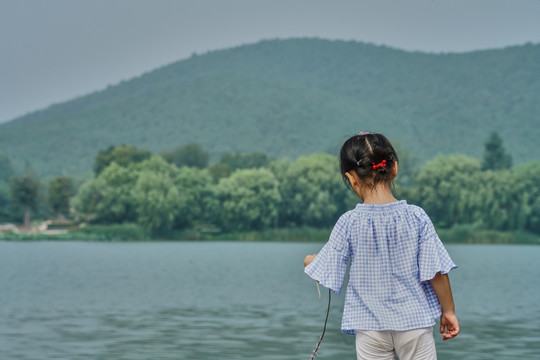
{"points": [[461, 234]]}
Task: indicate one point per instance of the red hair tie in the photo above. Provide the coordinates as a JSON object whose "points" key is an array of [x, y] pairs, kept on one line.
{"points": [[376, 166]]}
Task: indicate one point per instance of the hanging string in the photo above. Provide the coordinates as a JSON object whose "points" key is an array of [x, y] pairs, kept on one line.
{"points": [[325, 322]]}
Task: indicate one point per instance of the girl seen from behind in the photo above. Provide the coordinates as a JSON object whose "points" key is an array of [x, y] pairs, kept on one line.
{"points": [[398, 282]]}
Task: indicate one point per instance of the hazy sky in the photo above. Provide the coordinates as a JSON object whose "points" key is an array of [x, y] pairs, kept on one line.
{"points": [[54, 50]]}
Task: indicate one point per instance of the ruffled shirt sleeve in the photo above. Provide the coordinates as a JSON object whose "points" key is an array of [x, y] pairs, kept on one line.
{"points": [[432, 255], [330, 264]]}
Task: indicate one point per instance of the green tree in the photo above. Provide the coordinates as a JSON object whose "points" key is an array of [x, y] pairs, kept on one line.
{"points": [[219, 171], [156, 164], [24, 194], [156, 199], [123, 155], [137, 192], [527, 185], [444, 186], [251, 160], [196, 194], [494, 202], [249, 199], [192, 155], [90, 202], [4, 202], [313, 192], [406, 166], [108, 198], [59, 193], [495, 155], [279, 168], [231, 162]]}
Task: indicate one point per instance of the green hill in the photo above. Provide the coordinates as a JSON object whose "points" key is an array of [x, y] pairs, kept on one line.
{"points": [[295, 97]]}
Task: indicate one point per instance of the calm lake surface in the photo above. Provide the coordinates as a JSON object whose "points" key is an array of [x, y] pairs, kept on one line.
{"points": [[232, 300]]}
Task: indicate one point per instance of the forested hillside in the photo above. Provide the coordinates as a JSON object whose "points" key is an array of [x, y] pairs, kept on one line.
{"points": [[288, 98]]}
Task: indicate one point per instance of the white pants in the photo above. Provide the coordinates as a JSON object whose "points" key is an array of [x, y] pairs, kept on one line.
{"points": [[417, 344]]}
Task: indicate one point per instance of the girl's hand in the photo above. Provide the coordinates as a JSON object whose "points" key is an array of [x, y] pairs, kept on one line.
{"points": [[449, 325], [308, 259]]}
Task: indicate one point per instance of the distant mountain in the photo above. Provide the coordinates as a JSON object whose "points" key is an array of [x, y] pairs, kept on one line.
{"points": [[295, 97]]}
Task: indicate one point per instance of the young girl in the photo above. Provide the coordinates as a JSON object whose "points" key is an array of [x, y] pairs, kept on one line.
{"points": [[398, 282]]}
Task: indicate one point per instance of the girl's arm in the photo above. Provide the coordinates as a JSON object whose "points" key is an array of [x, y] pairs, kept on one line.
{"points": [[449, 321]]}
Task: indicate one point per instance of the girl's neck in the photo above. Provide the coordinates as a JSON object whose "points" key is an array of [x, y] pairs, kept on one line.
{"points": [[380, 195]]}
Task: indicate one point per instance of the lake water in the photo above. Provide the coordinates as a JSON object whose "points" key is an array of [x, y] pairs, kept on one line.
{"points": [[232, 300]]}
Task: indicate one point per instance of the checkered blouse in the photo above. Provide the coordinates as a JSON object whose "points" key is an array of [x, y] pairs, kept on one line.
{"points": [[393, 250]]}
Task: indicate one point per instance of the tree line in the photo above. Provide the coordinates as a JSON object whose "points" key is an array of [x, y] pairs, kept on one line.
{"points": [[180, 190]]}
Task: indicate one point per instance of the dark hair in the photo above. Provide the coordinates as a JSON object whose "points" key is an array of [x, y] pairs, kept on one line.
{"points": [[363, 152]]}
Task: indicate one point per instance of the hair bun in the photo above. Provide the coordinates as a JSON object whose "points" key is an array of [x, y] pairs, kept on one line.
{"points": [[371, 156]]}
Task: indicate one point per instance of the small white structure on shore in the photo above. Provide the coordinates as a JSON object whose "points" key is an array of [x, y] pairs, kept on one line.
{"points": [[7, 228]]}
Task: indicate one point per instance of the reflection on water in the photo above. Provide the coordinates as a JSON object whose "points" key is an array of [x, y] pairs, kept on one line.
{"points": [[231, 301]]}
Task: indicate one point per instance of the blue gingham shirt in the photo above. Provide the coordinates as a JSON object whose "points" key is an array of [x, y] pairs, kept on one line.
{"points": [[394, 251]]}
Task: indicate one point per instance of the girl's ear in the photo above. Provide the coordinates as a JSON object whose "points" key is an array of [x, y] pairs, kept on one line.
{"points": [[352, 179], [356, 183], [395, 170]]}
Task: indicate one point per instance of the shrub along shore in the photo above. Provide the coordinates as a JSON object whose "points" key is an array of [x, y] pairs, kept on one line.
{"points": [[459, 234]]}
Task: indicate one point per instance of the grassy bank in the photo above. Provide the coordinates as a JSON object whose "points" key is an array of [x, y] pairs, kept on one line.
{"points": [[133, 232], [119, 232], [286, 234], [466, 234], [456, 235], [462, 234]]}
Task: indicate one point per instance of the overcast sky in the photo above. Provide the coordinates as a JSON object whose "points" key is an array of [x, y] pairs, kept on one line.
{"points": [[54, 50]]}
